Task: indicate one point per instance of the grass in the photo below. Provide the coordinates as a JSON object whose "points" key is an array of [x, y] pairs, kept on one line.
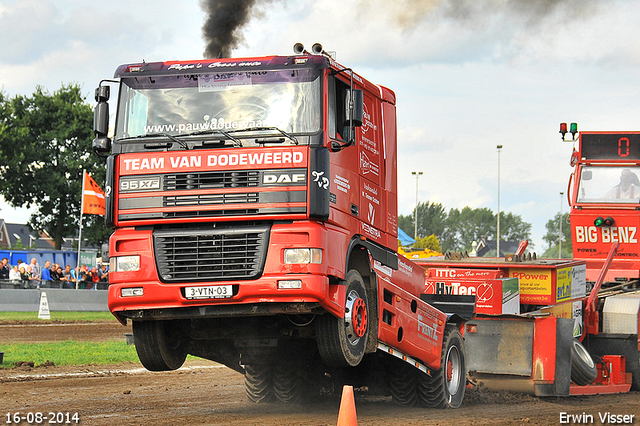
{"points": [[59, 316], [69, 352]]}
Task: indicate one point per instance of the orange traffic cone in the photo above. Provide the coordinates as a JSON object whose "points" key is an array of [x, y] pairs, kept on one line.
{"points": [[347, 414]]}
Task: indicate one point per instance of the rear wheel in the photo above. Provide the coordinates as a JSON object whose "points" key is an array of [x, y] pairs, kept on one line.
{"points": [[445, 387], [257, 382], [160, 346], [288, 386], [342, 341], [583, 369], [403, 383]]}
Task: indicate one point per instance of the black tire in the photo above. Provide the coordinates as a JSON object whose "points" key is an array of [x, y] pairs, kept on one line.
{"points": [[288, 386], [445, 387], [583, 369], [402, 380], [257, 383], [342, 341], [635, 374], [160, 346]]}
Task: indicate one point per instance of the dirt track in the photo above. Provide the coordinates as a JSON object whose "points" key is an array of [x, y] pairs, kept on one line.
{"points": [[203, 392]]}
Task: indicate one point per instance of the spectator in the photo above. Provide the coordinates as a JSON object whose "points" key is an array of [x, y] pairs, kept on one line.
{"points": [[33, 280], [93, 278], [24, 275], [104, 273], [14, 274], [55, 276], [4, 269], [59, 273], [83, 279], [73, 275], [46, 274], [35, 268]]}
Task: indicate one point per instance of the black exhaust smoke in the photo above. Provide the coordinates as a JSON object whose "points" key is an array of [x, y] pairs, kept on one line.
{"points": [[222, 29]]}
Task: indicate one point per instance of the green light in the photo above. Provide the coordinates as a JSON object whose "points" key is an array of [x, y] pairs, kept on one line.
{"points": [[574, 128], [599, 221]]}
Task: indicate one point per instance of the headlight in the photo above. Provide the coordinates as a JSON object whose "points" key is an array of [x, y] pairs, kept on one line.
{"points": [[124, 263], [302, 255]]}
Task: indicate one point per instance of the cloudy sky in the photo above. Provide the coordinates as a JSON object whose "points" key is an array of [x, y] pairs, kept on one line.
{"points": [[468, 75]]}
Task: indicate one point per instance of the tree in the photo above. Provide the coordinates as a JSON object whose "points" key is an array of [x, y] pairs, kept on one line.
{"points": [[45, 144], [468, 225], [551, 237], [430, 242], [431, 218]]}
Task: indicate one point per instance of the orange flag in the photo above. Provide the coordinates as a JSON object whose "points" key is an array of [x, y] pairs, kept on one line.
{"points": [[93, 197]]}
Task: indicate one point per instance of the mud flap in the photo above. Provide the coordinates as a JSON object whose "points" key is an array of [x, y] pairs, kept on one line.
{"points": [[561, 384]]}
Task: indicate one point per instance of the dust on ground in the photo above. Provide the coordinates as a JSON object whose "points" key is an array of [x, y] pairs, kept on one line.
{"points": [[206, 393]]}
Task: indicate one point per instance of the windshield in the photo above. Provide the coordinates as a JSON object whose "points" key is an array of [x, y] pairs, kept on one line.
{"points": [[178, 105], [600, 184]]}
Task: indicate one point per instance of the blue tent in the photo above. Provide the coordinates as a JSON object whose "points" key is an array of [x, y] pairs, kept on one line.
{"points": [[405, 240]]}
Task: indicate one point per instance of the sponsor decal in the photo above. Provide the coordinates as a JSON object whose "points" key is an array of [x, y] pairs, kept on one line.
{"points": [[143, 184], [533, 283], [244, 160], [342, 183], [371, 231], [382, 268], [607, 234], [404, 267], [367, 166], [320, 179], [283, 178], [428, 329], [371, 216]]}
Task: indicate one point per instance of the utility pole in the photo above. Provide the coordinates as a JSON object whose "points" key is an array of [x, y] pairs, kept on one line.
{"points": [[498, 224], [415, 212], [560, 229]]}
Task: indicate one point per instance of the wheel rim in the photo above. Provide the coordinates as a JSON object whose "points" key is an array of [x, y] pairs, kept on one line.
{"points": [[453, 367], [583, 354], [355, 317]]}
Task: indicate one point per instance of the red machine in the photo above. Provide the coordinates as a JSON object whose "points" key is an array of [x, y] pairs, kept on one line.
{"points": [[604, 195], [254, 207]]}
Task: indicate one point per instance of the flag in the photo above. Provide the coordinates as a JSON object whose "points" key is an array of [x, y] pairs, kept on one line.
{"points": [[92, 197]]}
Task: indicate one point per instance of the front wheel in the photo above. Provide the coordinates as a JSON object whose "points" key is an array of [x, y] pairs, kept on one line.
{"points": [[160, 346], [342, 341], [445, 387]]}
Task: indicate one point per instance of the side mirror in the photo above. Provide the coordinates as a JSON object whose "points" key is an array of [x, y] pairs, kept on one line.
{"points": [[355, 107], [354, 112], [101, 143]]}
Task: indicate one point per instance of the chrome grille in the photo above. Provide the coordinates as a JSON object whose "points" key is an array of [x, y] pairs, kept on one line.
{"points": [[211, 254], [211, 180]]}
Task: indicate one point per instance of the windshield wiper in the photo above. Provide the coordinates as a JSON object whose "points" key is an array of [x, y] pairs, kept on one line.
{"points": [[159, 145], [236, 142], [260, 129]]}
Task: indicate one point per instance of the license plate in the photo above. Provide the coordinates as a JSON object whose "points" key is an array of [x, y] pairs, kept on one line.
{"points": [[209, 292]]}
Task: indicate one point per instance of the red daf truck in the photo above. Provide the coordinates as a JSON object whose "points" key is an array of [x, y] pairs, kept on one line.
{"points": [[254, 208]]}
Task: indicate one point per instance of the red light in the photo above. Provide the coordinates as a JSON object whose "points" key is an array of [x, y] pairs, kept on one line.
{"points": [[563, 129], [608, 221]]}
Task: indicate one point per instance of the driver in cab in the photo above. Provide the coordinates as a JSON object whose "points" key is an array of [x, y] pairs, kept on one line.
{"points": [[628, 188]]}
